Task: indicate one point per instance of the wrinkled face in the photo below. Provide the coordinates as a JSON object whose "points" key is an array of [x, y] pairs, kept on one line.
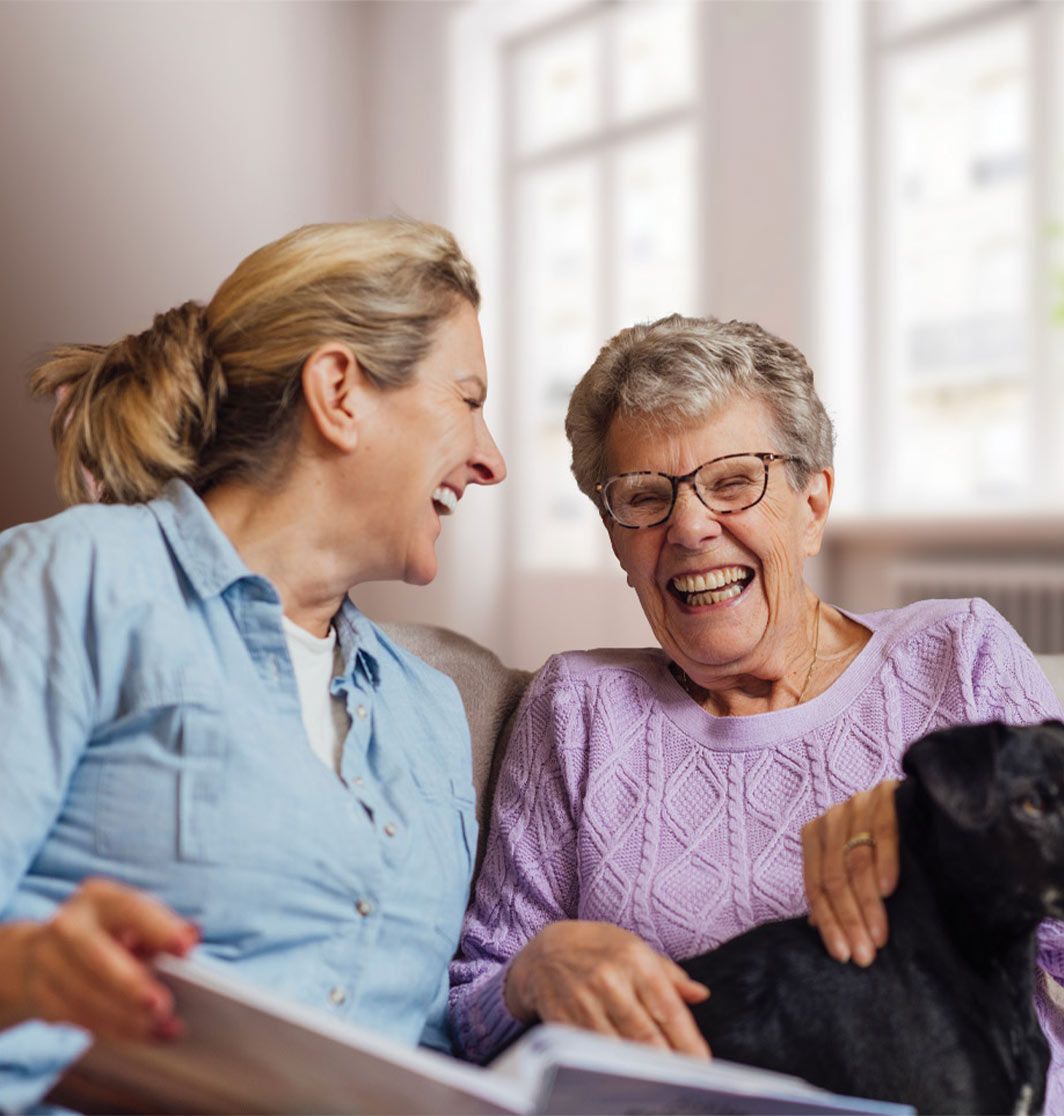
{"points": [[428, 442], [723, 594]]}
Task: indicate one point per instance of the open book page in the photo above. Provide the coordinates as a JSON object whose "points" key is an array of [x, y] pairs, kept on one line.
{"points": [[246, 1051], [567, 1070]]}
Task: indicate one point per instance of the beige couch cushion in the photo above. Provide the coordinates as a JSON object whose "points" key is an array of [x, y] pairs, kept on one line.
{"points": [[1053, 665], [490, 691]]}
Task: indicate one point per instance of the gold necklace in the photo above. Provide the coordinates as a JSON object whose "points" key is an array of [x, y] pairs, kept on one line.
{"points": [[701, 695], [687, 683]]}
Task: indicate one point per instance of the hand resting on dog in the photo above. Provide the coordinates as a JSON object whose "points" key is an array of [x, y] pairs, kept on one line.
{"points": [[944, 1019], [846, 886]]}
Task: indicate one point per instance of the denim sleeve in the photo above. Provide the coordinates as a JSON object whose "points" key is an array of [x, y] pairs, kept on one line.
{"points": [[46, 692]]}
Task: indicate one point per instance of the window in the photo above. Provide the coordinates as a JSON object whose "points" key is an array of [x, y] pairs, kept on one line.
{"points": [[601, 182], [962, 326]]}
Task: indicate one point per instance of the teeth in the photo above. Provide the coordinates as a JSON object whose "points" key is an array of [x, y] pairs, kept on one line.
{"points": [[715, 597], [446, 498], [715, 579]]}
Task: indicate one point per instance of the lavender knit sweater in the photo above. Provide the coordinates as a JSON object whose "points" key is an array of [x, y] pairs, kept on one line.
{"points": [[622, 800]]}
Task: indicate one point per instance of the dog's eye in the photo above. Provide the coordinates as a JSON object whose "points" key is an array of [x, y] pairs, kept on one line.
{"points": [[1032, 806]]}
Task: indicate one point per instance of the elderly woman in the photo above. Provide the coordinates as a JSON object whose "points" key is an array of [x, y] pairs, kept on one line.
{"points": [[202, 739], [652, 802]]}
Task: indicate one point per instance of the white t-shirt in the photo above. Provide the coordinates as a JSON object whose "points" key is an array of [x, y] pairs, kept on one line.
{"points": [[316, 663]]}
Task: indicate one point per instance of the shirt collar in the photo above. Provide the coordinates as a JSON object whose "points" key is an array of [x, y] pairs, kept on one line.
{"points": [[202, 549], [359, 643], [211, 564]]}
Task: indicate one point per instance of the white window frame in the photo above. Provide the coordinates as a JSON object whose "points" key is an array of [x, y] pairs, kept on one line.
{"points": [[603, 146], [1046, 446]]}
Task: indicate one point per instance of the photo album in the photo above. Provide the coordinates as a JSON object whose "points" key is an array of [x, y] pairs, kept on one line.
{"points": [[248, 1051]]}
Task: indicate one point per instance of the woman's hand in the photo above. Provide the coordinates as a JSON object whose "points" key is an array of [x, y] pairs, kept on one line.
{"points": [[600, 977], [86, 965], [846, 885]]}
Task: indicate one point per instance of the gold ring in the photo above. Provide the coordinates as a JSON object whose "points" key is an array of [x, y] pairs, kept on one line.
{"points": [[857, 840]]}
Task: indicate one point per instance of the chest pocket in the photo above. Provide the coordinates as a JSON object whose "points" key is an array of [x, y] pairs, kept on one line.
{"points": [[164, 736], [448, 841]]}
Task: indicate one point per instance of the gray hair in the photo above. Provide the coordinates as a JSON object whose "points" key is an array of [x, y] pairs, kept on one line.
{"points": [[677, 370]]}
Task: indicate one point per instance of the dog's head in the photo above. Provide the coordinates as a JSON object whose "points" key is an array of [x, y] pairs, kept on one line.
{"points": [[998, 796]]}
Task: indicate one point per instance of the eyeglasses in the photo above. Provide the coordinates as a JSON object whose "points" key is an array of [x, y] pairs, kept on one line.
{"points": [[725, 485]]}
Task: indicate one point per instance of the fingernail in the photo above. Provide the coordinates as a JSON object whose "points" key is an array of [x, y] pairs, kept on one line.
{"points": [[169, 1029], [155, 1003], [879, 933], [184, 941], [864, 955], [841, 951]]}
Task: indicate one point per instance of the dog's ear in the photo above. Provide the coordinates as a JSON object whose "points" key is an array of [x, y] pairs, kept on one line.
{"points": [[956, 767]]}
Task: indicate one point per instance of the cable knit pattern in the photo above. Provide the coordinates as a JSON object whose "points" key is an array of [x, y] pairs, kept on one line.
{"points": [[622, 800]]}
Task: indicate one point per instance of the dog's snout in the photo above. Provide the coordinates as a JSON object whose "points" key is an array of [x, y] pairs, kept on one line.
{"points": [[1053, 901]]}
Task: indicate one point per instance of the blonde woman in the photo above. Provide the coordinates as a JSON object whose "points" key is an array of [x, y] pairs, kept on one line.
{"points": [[203, 740]]}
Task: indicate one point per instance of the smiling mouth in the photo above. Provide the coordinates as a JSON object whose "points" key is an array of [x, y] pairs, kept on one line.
{"points": [[713, 587], [445, 500]]}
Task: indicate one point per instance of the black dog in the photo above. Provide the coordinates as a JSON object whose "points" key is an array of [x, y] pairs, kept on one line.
{"points": [[943, 1019]]}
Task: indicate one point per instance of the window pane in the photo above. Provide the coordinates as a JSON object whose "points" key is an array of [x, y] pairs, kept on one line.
{"points": [[557, 338], [1055, 346], [655, 57], [899, 16], [957, 279], [656, 236], [558, 88]]}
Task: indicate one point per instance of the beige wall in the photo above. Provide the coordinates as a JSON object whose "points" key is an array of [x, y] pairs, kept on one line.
{"points": [[147, 148], [761, 146], [407, 117], [407, 132]]}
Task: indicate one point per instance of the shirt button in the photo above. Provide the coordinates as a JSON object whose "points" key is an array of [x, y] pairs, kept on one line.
{"points": [[337, 995], [364, 907], [358, 780], [390, 830], [361, 712]]}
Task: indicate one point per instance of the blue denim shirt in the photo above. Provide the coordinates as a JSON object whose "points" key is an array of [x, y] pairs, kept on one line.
{"points": [[150, 731]]}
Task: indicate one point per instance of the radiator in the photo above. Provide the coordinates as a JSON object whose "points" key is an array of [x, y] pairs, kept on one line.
{"points": [[1029, 595]]}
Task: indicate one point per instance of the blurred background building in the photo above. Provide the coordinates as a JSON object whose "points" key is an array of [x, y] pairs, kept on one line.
{"points": [[882, 184]]}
